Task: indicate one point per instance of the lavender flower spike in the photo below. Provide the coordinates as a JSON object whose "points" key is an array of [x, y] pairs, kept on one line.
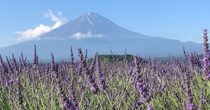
{"points": [[141, 85], [80, 54], [35, 60], [52, 63], [66, 102], [4, 68], [100, 74], [20, 101], [189, 96], [14, 64], [72, 57], [206, 59], [201, 100]]}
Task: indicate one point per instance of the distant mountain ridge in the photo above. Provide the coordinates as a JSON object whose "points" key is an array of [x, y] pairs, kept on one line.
{"points": [[94, 32]]}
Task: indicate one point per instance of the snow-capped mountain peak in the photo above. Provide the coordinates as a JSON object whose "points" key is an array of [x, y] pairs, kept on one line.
{"points": [[86, 17], [94, 23]]}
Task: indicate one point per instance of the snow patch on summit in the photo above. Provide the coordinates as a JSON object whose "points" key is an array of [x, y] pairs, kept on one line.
{"points": [[82, 19], [89, 19], [87, 15], [90, 22]]}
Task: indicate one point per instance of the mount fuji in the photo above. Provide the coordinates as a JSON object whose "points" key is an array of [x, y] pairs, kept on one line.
{"points": [[94, 32], [90, 23]]}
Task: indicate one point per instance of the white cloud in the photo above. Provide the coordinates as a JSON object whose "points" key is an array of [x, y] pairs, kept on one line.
{"points": [[79, 35], [54, 38], [41, 29], [59, 13]]}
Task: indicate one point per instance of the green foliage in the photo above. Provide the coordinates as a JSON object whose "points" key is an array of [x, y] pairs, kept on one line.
{"points": [[120, 59]]}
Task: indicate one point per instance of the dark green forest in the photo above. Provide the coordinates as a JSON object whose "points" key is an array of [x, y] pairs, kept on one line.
{"points": [[108, 58]]}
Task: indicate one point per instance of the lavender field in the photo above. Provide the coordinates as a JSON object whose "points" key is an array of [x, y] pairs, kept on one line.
{"points": [[78, 85]]}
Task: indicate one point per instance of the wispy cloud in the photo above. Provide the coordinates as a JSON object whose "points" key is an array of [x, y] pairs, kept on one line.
{"points": [[53, 38], [41, 29], [59, 13], [79, 35]]}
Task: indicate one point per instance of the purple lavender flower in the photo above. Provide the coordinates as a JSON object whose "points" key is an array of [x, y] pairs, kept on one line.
{"points": [[141, 85], [100, 74], [150, 108], [35, 60], [23, 62], [11, 82], [66, 102], [39, 73], [52, 63], [201, 100], [19, 89], [73, 95], [15, 67], [3, 66], [130, 71], [72, 57], [47, 69], [136, 69], [28, 66], [83, 62], [196, 60], [206, 58], [80, 54], [88, 72], [187, 92], [186, 57], [9, 65]]}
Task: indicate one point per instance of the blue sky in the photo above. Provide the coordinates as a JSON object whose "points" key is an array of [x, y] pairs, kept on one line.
{"points": [[183, 20]]}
